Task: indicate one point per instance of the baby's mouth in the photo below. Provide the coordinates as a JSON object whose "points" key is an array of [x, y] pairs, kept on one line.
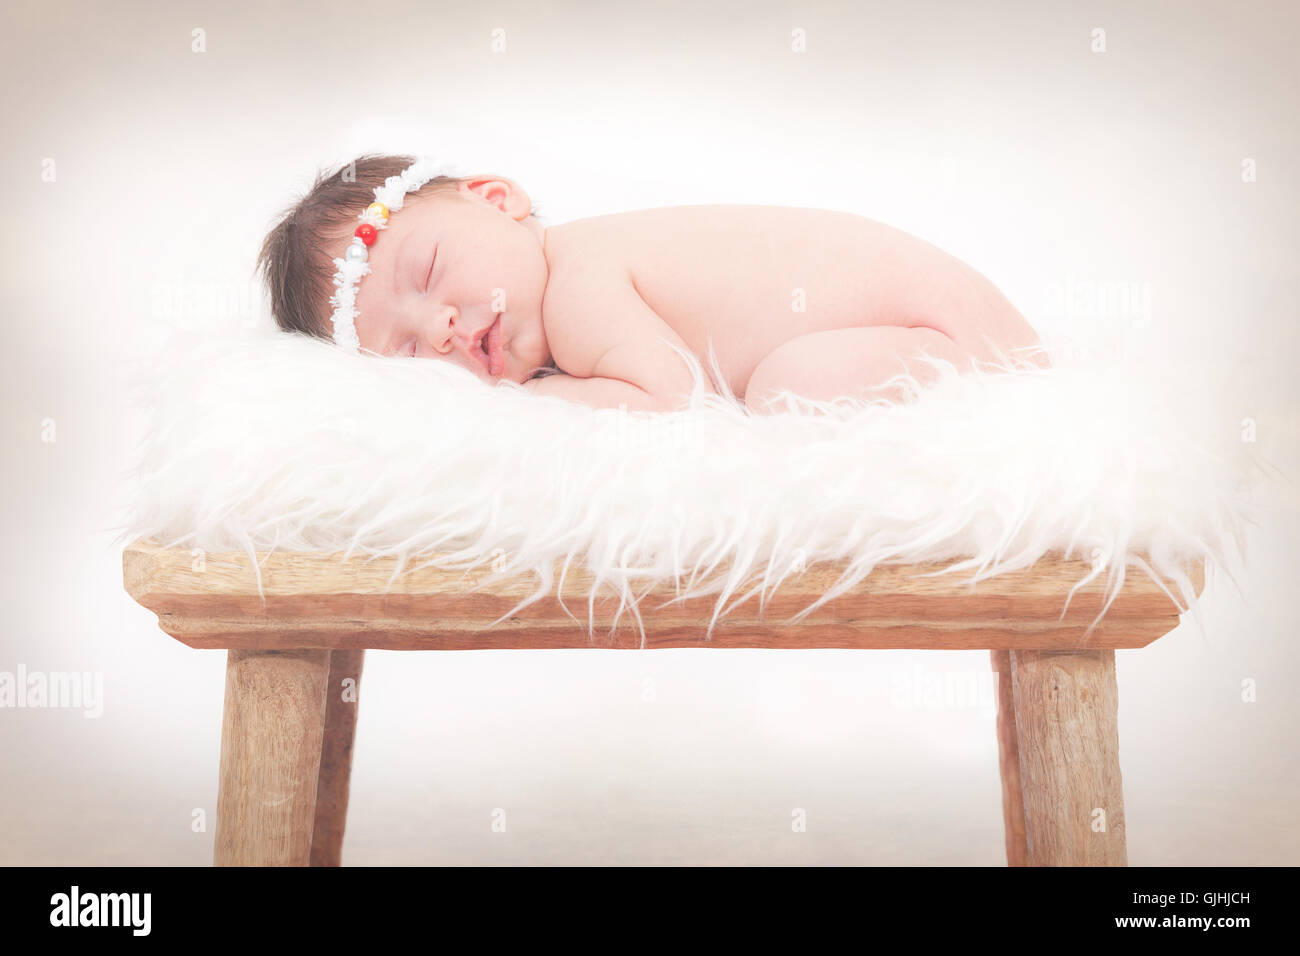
{"points": [[490, 345]]}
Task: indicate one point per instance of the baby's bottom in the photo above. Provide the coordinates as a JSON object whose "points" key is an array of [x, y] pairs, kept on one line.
{"points": [[839, 362]]}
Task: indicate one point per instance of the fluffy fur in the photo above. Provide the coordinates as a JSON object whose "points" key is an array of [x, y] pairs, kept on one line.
{"points": [[269, 440]]}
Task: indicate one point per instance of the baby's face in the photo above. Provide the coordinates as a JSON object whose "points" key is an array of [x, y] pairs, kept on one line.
{"points": [[443, 271]]}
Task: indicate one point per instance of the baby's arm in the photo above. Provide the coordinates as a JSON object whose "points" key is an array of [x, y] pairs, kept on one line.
{"points": [[613, 348], [600, 392]]}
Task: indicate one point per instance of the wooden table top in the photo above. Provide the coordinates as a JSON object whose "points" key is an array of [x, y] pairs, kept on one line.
{"points": [[318, 600]]}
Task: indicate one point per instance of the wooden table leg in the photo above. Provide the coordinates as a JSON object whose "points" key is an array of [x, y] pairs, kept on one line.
{"points": [[270, 756], [1066, 707], [336, 757], [1013, 807]]}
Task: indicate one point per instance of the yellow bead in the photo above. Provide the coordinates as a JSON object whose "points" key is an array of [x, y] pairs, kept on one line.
{"points": [[378, 209]]}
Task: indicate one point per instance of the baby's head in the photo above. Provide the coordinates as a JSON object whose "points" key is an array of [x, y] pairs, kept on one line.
{"points": [[459, 253]]}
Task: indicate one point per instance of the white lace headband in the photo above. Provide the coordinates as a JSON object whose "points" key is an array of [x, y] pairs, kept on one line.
{"points": [[388, 199]]}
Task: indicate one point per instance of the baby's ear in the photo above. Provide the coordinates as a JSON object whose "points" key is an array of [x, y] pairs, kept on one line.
{"points": [[500, 193]]}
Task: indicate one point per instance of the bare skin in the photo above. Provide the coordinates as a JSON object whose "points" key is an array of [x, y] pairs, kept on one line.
{"points": [[825, 304]]}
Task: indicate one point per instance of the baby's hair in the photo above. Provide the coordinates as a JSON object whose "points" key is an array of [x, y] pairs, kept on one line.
{"points": [[295, 262]]}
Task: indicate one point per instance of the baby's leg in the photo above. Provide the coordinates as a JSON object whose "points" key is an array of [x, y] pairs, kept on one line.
{"points": [[826, 365]]}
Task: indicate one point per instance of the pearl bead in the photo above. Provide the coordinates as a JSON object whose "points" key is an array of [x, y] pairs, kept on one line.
{"points": [[357, 252], [367, 233], [377, 209]]}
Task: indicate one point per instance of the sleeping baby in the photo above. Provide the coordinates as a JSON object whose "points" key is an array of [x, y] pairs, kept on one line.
{"points": [[602, 311]]}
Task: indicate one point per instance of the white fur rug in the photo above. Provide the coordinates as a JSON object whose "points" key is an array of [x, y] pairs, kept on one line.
{"points": [[268, 440]]}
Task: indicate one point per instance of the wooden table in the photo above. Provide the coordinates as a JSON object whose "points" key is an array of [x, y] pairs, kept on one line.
{"points": [[295, 656]]}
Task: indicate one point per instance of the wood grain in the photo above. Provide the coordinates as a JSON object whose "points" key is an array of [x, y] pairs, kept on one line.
{"points": [[321, 601], [334, 779], [1013, 806], [270, 757], [1067, 706]]}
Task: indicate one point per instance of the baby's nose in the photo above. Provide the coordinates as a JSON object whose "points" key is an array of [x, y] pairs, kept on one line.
{"points": [[447, 331]]}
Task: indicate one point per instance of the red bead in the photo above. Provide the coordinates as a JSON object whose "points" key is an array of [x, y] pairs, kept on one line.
{"points": [[367, 233]]}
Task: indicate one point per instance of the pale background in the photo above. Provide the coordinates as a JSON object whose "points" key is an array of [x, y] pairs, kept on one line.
{"points": [[992, 130]]}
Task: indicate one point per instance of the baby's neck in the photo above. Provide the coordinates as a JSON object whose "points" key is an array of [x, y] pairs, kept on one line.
{"points": [[533, 223]]}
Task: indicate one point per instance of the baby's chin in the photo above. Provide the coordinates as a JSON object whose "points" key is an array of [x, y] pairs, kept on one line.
{"points": [[526, 352]]}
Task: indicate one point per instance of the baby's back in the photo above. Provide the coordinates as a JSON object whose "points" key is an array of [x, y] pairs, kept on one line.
{"points": [[751, 278]]}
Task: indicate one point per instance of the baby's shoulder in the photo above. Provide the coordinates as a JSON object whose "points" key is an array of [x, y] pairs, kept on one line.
{"points": [[585, 253], [586, 268]]}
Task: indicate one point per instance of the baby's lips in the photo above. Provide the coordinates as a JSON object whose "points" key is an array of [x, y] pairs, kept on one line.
{"points": [[476, 351], [496, 361]]}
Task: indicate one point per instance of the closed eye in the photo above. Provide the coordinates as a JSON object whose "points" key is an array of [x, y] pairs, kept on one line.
{"points": [[429, 277]]}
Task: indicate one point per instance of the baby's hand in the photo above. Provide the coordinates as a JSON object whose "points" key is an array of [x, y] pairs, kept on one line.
{"points": [[602, 393]]}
